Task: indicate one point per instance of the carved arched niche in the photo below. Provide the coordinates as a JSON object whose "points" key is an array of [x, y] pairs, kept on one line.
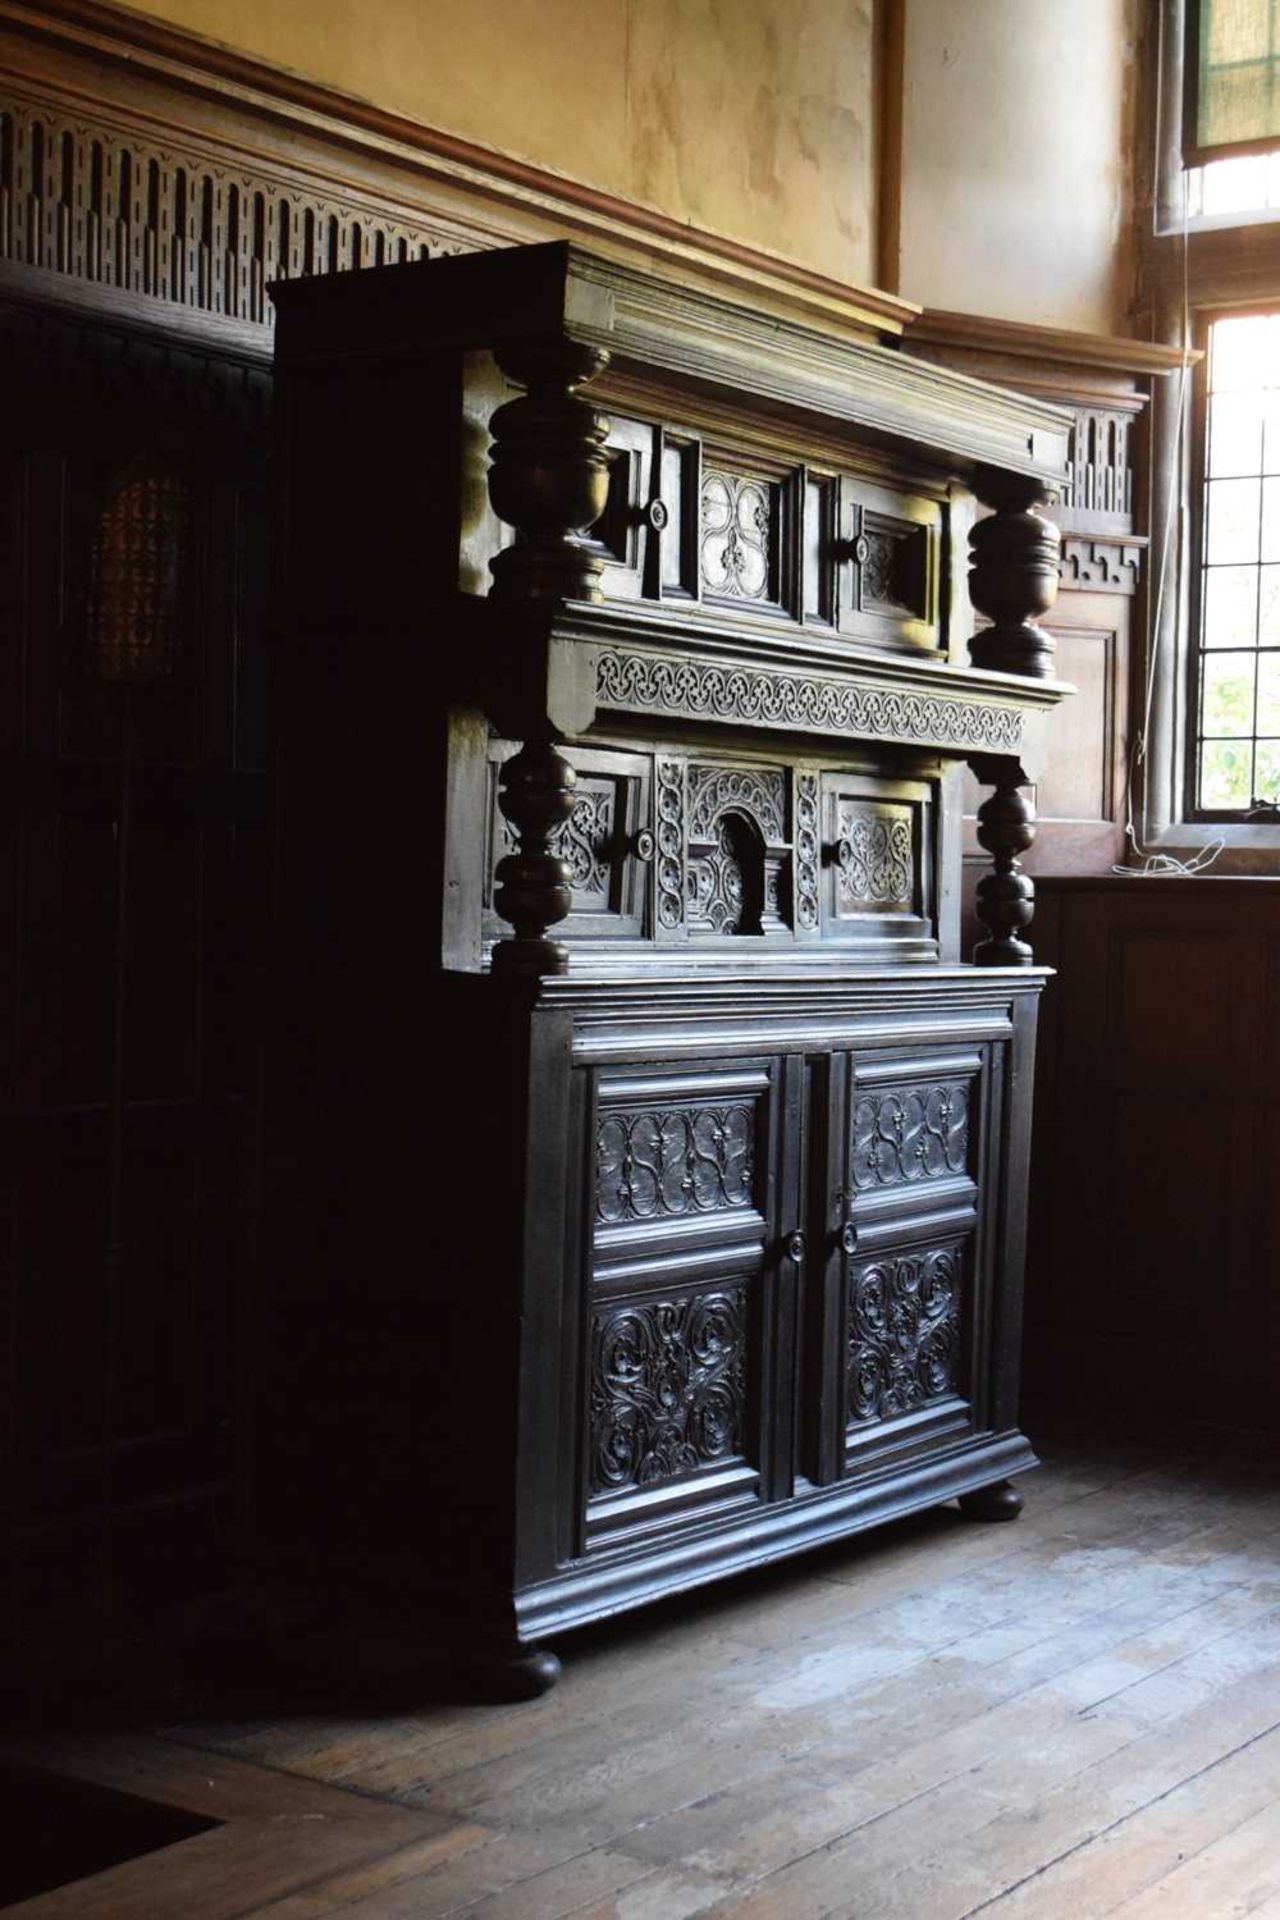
{"points": [[727, 878]]}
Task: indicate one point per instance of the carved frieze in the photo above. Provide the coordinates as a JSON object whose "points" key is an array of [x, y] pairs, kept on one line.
{"points": [[904, 1332], [874, 856], [658, 683], [1110, 566], [736, 537], [668, 1389], [663, 1162], [119, 210], [902, 1135]]}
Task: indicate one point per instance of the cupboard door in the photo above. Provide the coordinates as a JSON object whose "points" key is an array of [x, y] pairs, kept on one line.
{"points": [[688, 1305], [911, 1260]]}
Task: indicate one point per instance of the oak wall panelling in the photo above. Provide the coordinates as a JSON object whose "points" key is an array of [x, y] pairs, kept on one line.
{"points": [[1156, 1097]]}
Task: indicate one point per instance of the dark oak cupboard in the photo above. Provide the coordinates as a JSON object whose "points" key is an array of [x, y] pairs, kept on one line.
{"points": [[647, 1174]]}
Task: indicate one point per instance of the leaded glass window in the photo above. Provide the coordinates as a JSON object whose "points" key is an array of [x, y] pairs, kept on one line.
{"points": [[1237, 682]]}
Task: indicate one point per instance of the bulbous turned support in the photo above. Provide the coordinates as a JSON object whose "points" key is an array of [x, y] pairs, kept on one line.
{"points": [[549, 473], [1013, 576], [1005, 897], [536, 794]]}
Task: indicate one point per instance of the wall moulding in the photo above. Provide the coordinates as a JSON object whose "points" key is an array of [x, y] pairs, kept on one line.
{"points": [[191, 107]]}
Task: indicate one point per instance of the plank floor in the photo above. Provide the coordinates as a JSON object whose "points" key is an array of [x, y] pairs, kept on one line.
{"points": [[1073, 1716]]}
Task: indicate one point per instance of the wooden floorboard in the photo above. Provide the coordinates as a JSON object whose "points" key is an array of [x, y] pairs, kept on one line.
{"points": [[1075, 1716]]}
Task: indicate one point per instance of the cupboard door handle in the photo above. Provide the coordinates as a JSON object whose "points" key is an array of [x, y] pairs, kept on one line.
{"points": [[797, 1248], [847, 1238], [643, 845]]}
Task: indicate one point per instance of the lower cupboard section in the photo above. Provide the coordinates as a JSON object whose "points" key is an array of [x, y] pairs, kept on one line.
{"points": [[792, 1303]]}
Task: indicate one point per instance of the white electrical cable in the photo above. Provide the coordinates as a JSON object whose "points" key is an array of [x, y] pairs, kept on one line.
{"points": [[1150, 862]]}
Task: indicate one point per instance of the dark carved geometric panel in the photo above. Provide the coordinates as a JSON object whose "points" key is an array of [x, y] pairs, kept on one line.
{"points": [[737, 537], [874, 857], [904, 1332], [668, 1389], [895, 566], [910, 1134], [664, 1162]]}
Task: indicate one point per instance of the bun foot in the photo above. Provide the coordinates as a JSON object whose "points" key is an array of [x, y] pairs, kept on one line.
{"points": [[999, 1502], [515, 1673]]}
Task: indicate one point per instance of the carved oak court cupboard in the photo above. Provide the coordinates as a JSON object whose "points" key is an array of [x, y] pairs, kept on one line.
{"points": [[648, 1174]]}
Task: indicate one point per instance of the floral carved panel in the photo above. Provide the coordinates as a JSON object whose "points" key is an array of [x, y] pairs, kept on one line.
{"points": [[736, 537], [668, 1389], [874, 857], [661, 1162], [906, 1134], [904, 1332]]}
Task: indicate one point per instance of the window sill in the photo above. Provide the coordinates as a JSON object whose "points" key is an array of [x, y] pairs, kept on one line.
{"points": [[1246, 849]]}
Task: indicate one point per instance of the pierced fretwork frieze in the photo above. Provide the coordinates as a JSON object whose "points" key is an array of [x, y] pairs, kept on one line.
{"points": [[907, 1134], [668, 1389], [117, 209], [904, 1332], [661, 1162], [874, 857], [656, 683], [736, 537]]}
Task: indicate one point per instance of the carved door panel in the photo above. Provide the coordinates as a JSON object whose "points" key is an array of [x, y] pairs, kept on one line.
{"points": [[690, 1296], [899, 1311]]}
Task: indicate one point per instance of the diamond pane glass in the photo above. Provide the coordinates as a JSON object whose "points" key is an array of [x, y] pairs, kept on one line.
{"points": [[1232, 532], [1226, 769], [1230, 606], [1228, 695]]}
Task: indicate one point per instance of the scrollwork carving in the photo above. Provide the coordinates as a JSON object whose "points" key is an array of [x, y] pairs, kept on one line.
{"points": [[663, 1162], [668, 1389], [909, 1134], [875, 858], [670, 849], [584, 842], [904, 1332], [656, 683], [807, 851], [761, 793]]}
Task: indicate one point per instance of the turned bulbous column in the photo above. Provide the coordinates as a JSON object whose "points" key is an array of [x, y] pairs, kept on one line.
{"points": [[1006, 896], [1013, 577], [536, 794], [549, 473]]}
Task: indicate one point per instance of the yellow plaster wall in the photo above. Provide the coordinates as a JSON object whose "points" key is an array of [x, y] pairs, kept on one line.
{"points": [[752, 117], [1017, 119]]}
